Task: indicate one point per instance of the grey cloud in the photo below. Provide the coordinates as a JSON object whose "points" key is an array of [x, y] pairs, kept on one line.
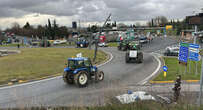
{"points": [[98, 10]]}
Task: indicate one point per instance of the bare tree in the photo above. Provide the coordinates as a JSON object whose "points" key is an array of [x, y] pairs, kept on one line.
{"points": [[160, 20]]}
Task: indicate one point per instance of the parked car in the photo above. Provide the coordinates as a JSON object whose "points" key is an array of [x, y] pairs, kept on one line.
{"points": [[171, 51], [102, 44], [59, 42], [143, 39]]}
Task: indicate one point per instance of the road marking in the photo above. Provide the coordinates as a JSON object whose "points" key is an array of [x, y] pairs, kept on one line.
{"points": [[34, 82], [154, 73], [111, 57]]}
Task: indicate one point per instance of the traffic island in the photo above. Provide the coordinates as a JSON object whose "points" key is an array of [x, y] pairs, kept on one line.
{"points": [[40, 63], [189, 74]]}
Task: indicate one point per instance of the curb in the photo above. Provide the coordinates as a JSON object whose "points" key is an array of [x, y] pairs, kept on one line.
{"points": [[172, 81], [45, 78], [26, 81]]}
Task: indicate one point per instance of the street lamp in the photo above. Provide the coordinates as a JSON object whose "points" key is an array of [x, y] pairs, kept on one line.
{"points": [[96, 43]]}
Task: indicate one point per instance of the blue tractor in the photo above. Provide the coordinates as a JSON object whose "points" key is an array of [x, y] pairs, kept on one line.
{"points": [[82, 43], [80, 71]]}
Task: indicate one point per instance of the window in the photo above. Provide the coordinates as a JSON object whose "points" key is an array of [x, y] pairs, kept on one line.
{"points": [[87, 63], [71, 64]]}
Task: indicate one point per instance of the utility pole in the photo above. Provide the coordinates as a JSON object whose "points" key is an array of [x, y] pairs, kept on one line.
{"points": [[96, 42], [201, 84], [195, 36]]}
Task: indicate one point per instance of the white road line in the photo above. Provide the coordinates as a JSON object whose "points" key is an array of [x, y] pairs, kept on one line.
{"points": [[154, 73], [111, 57], [34, 82]]}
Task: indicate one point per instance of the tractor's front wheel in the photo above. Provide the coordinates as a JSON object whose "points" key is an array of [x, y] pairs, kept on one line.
{"points": [[81, 79], [140, 57], [99, 76], [67, 79]]}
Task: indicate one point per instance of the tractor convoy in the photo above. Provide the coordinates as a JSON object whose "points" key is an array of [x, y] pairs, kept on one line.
{"points": [[131, 44], [80, 71]]}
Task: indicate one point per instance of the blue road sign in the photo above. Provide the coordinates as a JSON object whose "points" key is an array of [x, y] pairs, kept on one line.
{"points": [[183, 52], [194, 52], [165, 68]]}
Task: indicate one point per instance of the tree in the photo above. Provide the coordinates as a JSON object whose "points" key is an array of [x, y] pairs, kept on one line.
{"points": [[27, 25], [160, 20], [94, 29], [49, 30], [55, 30], [122, 25]]}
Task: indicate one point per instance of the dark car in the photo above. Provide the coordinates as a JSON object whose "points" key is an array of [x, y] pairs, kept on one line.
{"points": [[143, 39]]}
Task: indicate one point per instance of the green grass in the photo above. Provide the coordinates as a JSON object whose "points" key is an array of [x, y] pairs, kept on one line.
{"points": [[201, 52], [175, 68], [39, 62], [113, 44], [10, 45]]}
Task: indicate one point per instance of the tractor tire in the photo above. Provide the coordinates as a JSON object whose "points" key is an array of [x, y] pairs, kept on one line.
{"points": [[67, 79], [140, 57], [119, 47], [99, 76], [81, 79], [127, 58], [125, 48]]}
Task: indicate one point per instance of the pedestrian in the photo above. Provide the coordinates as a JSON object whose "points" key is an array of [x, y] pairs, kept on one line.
{"points": [[18, 45]]}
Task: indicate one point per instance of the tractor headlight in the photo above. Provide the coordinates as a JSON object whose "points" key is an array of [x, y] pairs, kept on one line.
{"points": [[93, 69]]}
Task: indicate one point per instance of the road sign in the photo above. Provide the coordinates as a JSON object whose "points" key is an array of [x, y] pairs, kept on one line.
{"points": [[183, 52], [194, 52], [165, 68]]}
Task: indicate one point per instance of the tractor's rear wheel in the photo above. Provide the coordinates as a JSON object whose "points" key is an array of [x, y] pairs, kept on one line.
{"points": [[127, 58], [81, 79], [140, 57], [124, 48], [99, 76], [67, 79]]}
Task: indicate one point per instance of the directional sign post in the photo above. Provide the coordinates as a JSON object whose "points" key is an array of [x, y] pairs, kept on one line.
{"points": [[183, 53], [194, 52]]}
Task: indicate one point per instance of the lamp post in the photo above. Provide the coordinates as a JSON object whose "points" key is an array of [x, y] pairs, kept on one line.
{"points": [[100, 31]]}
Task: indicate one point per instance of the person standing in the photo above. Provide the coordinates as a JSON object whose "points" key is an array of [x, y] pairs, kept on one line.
{"points": [[18, 46]]}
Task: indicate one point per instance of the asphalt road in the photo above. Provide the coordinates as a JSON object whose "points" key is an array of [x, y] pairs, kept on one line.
{"points": [[54, 92]]}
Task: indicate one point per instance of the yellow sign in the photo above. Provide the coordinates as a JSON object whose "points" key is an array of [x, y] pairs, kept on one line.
{"points": [[169, 27], [164, 74]]}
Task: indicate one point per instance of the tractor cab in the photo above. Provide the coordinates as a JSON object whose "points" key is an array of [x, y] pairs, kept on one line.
{"points": [[80, 63], [134, 45]]}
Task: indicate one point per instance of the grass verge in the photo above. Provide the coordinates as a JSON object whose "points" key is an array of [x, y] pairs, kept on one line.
{"points": [[11, 45], [40, 62], [113, 44], [175, 68]]}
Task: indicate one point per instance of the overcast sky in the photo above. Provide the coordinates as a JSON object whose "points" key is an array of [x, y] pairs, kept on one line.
{"points": [[92, 11]]}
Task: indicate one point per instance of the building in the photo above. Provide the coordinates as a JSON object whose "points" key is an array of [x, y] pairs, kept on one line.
{"points": [[187, 34]]}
